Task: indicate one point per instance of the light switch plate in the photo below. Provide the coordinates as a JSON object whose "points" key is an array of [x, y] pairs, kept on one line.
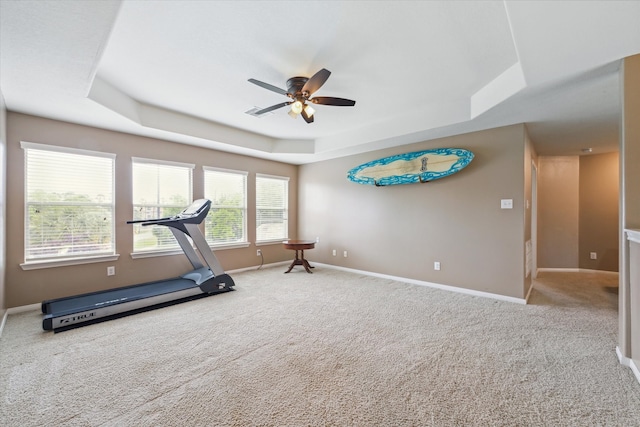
{"points": [[506, 204]]}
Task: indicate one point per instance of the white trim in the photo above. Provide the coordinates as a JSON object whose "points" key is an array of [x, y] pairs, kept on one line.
{"points": [[285, 205], [216, 169], [633, 235], [587, 270], [225, 246], [258, 267], [635, 369], [152, 254], [624, 361], [526, 298], [69, 150], [30, 264], [16, 310], [50, 263], [210, 181], [629, 363], [4, 320], [559, 270], [576, 270], [282, 178], [162, 162], [430, 284], [24, 308], [270, 242]]}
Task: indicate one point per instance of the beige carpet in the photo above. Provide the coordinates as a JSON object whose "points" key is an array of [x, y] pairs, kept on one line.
{"points": [[331, 349]]}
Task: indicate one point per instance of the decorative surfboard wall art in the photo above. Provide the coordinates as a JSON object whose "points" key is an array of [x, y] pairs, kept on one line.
{"points": [[418, 166]]}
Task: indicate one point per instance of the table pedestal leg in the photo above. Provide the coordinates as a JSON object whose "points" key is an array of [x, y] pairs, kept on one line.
{"points": [[300, 261]]}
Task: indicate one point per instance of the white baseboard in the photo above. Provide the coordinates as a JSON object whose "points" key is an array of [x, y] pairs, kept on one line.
{"points": [[14, 310], [526, 298], [635, 369], [4, 320], [23, 308], [430, 284], [630, 363], [258, 267], [575, 270], [559, 270]]}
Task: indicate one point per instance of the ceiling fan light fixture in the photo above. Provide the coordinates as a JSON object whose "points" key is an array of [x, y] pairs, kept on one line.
{"points": [[309, 110], [299, 90], [296, 107]]}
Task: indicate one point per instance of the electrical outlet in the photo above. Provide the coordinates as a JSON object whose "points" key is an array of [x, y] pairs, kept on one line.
{"points": [[436, 265], [317, 239], [345, 254], [259, 252], [593, 255], [334, 252], [111, 271]]}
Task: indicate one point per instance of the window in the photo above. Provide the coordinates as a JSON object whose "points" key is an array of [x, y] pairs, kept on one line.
{"points": [[272, 214], [69, 203], [160, 189], [227, 219]]}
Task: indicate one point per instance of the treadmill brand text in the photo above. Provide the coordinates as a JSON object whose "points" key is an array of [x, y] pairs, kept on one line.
{"points": [[73, 319]]}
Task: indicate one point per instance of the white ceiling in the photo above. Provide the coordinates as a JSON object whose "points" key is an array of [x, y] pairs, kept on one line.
{"points": [[178, 70]]}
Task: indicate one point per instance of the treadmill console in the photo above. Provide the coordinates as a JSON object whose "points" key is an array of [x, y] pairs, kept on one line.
{"points": [[195, 208], [193, 214]]}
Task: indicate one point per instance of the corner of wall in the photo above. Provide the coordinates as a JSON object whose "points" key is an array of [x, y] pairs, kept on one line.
{"points": [[529, 215], [3, 199], [629, 215]]}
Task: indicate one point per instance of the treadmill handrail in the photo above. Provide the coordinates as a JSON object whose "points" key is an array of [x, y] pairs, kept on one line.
{"points": [[183, 225], [138, 221]]}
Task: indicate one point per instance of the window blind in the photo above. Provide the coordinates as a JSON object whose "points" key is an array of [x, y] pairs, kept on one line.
{"points": [[160, 189], [226, 221], [69, 202], [272, 215]]}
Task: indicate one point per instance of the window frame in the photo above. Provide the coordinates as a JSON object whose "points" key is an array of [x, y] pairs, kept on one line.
{"points": [[31, 263], [285, 199], [245, 241], [168, 250]]}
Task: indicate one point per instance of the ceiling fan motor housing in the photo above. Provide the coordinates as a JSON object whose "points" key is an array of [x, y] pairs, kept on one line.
{"points": [[295, 85]]}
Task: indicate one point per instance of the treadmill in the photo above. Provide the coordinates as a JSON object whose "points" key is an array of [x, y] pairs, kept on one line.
{"points": [[70, 312]]}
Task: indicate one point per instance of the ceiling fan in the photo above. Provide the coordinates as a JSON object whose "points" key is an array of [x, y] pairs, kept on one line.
{"points": [[300, 89]]}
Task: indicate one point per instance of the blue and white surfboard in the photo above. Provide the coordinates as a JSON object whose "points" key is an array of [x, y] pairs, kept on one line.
{"points": [[408, 168]]}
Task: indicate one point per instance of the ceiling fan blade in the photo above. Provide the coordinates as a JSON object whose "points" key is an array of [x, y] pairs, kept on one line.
{"points": [[329, 100], [273, 107], [307, 118], [316, 81], [268, 86]]}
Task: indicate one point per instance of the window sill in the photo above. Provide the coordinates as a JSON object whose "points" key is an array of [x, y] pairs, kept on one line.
{"points": [[151, 254], [271, 242], [64, 262], [224, 246]]}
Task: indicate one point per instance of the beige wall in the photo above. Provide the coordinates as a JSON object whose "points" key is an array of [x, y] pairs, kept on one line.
{"points": [[27, 287], [578, 212], [629, 199], [599, 194], [558, 211], [530, 158], [401, 230], [3, 200]]}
